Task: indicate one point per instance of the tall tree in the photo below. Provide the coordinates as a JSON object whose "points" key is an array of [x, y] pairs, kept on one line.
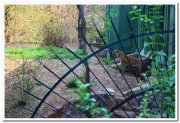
{"points": [[82, 44]]}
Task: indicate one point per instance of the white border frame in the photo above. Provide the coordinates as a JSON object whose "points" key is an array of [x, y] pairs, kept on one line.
{"points": [[99, 3]]}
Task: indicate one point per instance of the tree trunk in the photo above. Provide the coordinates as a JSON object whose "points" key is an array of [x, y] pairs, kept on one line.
{"points": [[81, 27], [82, 44]]}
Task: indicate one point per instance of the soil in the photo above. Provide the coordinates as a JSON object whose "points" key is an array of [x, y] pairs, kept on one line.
{"points": [[12, 94]]}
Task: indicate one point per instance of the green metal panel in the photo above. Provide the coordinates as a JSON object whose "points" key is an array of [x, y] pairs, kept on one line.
{"points": [[169, 19], [123, 29]]}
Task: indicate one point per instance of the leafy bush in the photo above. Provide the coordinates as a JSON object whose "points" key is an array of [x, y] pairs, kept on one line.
{"points": [[163, 69], [85, 101], [107, 61], [164, 89]]}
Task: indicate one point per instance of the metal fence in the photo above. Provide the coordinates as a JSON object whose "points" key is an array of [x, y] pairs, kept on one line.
{"points": [[123, 43]]}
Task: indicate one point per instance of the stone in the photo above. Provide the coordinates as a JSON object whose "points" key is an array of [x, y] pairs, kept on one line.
{"points": [[110, 90]]}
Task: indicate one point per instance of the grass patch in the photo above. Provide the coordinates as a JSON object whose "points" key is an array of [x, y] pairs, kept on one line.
{"points": [[40, 53]]}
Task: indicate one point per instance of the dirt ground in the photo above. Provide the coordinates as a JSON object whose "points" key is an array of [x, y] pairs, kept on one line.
{"points": [[14, 110]]}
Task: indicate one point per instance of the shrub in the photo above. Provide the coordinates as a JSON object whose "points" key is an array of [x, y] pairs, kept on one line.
{"points": [[85, 101], [107, 61]]}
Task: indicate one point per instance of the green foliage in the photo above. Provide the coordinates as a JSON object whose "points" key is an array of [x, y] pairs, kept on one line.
{"points": [[165, 80], [145, 113], [162, 69], [150, 21], [73, 83], [165, 91], [164, 88], [122, 68], [108, 25], [85, 101], [40, 53], [106, 60], [97, 12]]}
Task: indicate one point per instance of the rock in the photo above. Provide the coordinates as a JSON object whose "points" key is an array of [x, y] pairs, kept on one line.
{"points": [[103, 92], [110, 90], [108, 99], [123, 115], [57, 113], [103, 53], [136, 89]]}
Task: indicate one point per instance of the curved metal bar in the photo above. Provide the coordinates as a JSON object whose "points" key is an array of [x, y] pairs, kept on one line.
{"points": [[55, 75], [111, 55], [85, 40], [43, 101], [91, 55], [58, 94], [116, 63], [32, 112], [79, 78], [114, 28], [76, 76], [131, 97], [132, 34]]}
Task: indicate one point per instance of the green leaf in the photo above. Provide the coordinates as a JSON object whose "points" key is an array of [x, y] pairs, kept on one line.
{"points": [[134, 7], [103, 110], [87, 85], [131, 12], [93, 99], [86, 96], [134, 18]]}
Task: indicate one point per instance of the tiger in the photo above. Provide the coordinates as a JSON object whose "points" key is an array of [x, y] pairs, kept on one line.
{"points": [[135, 62]]}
